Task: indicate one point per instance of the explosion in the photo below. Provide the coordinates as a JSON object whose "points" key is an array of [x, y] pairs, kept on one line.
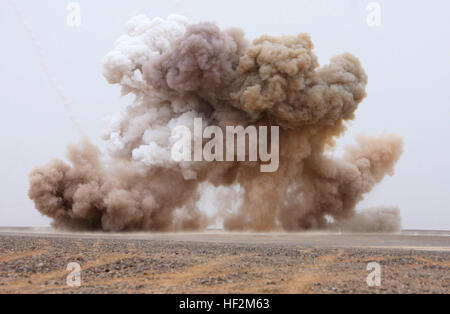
{"points": [[179, 72]]}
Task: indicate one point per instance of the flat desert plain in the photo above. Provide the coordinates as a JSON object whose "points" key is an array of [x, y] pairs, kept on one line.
{"points": [[35, 260]]}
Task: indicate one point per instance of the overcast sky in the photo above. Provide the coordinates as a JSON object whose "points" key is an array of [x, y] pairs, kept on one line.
{"points": [[406, 56]]}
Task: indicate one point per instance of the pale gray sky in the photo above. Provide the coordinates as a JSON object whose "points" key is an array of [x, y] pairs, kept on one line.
{"points": [[406, 58]]}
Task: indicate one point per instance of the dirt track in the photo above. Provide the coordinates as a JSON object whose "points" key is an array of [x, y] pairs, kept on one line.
{"points": [[217, 262]]}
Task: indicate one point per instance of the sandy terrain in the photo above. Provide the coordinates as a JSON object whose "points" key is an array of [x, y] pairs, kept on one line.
{"points": [[35, 261]]}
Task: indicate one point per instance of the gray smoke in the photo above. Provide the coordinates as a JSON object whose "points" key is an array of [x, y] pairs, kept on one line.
{"points": [[179, 71]]}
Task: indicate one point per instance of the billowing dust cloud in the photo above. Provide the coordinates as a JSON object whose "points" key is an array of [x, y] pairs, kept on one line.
{"points": [[180, 71]]}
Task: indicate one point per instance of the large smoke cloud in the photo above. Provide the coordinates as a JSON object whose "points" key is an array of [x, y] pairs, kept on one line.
{"points": [[179, 71]]}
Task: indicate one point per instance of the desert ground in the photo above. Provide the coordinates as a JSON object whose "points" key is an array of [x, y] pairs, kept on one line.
{"points": [[35, 261]]}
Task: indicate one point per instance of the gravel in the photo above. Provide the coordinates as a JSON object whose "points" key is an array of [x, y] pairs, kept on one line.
{"points": [[39, 265]]}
